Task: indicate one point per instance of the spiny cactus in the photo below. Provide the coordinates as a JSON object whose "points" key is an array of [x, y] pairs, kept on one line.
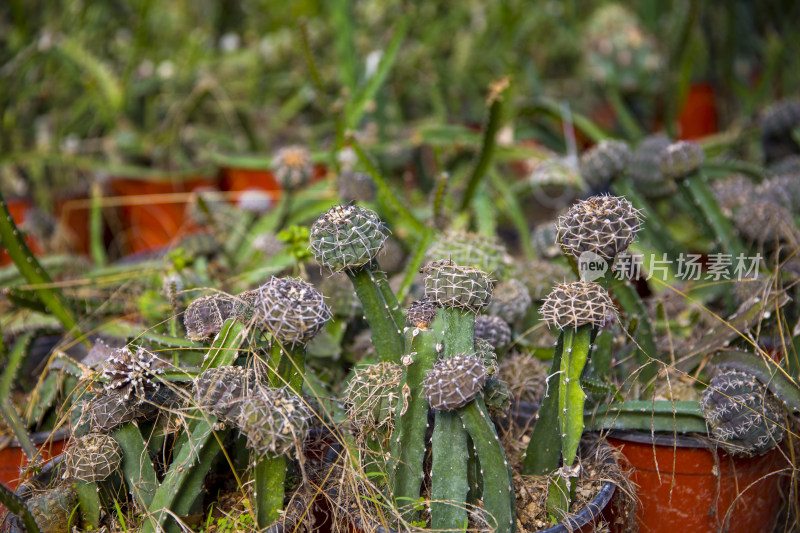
{"points": [[421, 313], [645, 171], [453, 382], [451, 285], [604, 225], [204, 317], [273, 420], [497, 397], [103, 413], [545, 240], [470, 249], [54, 509], [555, 173], [540, 276], [291, 310], [525, 376], [92, 458], [777, 123], [510, 300], [744, 416], [494, 330], [485, 352], [221, 391], [765, 223], [132, 372], [571, 305], [732, 192], [604, 162], [783, 190], [292, 166], [681, 159], [371, 396], [347, 237]]}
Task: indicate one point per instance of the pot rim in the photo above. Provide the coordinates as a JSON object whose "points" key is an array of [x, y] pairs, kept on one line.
{"points": [[38, 438], [677, 440]]}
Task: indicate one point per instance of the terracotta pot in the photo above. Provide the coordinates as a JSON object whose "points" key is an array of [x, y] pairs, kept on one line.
{"points": [[678, 490], [154, 214], [238, 179], [13, 459], [18, 208], [698, 118], [74, 213]]}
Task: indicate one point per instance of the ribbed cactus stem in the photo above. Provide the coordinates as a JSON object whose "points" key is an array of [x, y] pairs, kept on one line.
{"points": [[411, 415], [387, 335], [270, 475], [449, 469], [89, 502], [573, 361], [34, 274], [137, 468], [17, 506]]}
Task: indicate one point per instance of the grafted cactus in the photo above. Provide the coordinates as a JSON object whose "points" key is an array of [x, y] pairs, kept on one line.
{"points": [[645, 171], [743, 415], [421, 313], [492, 329], [454, 382], [371, 396], [291, 310], [204, 317], [92, 458], [273, 420], [497, 397], [604, 225], [454, 286], [571, 305], [604, 162], [545, 240], [510, 300], [220, 391], [487, 355], [132, 371], [470, 250]]}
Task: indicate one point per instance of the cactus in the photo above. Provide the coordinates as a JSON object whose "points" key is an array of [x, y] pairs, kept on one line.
{"points": [[421, 313], [492, 329], [89, 460], [355, 186], [644, 170], [732, 192], [292, 167], [766, 223], [497, 397], [604, 162], [778, 121], [204, 317], [743, 415], [132, 373], [545, 240], [578, 309], [603, 225], [454, 382], [348, 239], [221, 391], [510, 300], [470, 249], [371, 396]]}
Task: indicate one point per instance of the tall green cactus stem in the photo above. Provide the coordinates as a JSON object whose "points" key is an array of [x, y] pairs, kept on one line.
{"points": [[270, 475], [411, 420], [89, 503], [13, 361], [449, 486], [197, 447], [34, 274], [387, 334], [544, 449], [495, 472], [17, 506], [137, 468], [648, 415]]}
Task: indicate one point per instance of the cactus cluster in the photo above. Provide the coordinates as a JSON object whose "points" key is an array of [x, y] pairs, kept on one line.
{"points": [[454, 382], [220, 391], [743, 415]]}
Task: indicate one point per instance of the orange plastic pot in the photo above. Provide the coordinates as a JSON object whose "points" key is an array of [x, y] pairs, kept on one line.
{"points": [[73, 212], [679, 489], [153, 212], [236, 180], [698, 118], [18, 208], [13, 459]]}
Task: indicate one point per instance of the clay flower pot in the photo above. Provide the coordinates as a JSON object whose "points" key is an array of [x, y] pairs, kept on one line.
{"points": [[13, 459], [685, 486], [18, 207]]}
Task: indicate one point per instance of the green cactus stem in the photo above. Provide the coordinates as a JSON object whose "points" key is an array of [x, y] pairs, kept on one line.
{"points": [[765, 370], [137, 468], [411, 420], [643, 415], [89, 503], [387, 334], [34, 274], [13, 362]]}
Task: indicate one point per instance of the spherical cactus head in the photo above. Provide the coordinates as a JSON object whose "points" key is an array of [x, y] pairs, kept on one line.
{"points": [[132, 371], [556, 173], [603, 225], [733, 192], [545, 240], [273, 420], [371, 396], [292, 166], [744, 416], [681, 159], [493, 330], [497, 397], [421, 313], [540, 276], [291, 310], [347, 237], [243, 308], [471, 249], [781, 190], [525, 376], [644, 169], [510, 300], [92, 458], [604, 162], [451, 285], [53, 509], [102, 413], [220, 391], [763, 222], [204, 317], [575, 304], [454, 382]]}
